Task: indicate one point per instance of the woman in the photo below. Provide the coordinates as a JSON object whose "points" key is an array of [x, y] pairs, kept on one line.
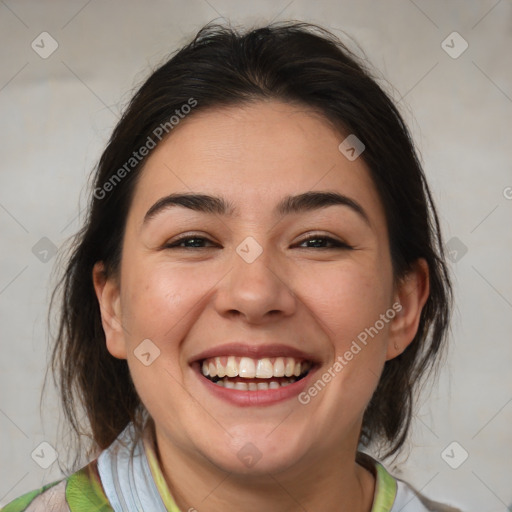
{"points": [[257, 292]]}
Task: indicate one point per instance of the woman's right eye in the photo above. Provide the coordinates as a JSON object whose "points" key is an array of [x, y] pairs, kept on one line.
{"points": [[196, 242]]}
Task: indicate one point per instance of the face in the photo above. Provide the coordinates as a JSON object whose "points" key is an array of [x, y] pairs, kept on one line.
{"points": [[277, 273]]}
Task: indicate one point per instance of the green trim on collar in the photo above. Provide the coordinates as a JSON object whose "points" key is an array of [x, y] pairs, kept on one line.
{"points": [[158, 476], [385, 490]]}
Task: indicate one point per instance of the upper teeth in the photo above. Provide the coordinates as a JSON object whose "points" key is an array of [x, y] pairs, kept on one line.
{"points": [[246, 367]]}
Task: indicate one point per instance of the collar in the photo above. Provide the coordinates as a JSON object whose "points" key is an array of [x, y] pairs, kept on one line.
{"points": [[385, 485]]}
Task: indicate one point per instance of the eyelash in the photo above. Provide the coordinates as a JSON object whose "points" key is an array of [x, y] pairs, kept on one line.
{"points": [[337, 244]]}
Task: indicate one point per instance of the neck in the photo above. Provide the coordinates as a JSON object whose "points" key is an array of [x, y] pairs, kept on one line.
{"points": [[325, 481]]}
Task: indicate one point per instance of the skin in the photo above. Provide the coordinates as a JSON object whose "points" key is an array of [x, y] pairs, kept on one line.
{"points": [[317, 299]]}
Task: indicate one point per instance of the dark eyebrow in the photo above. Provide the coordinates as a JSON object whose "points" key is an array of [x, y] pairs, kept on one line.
{"points": [[316, 200], [305, 202], [197, 202]]}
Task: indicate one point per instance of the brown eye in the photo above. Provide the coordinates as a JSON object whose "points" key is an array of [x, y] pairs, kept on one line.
{"points": [[324, 242], [196, 242]]}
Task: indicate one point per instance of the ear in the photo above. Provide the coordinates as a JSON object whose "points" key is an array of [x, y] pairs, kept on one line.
{"points": [[108, 294], [411, 293]]}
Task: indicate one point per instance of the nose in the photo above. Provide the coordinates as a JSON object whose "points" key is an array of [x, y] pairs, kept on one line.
{"points": [[257, 291]]}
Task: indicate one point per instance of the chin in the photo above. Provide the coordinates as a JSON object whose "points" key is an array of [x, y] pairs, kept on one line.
{"points": [[255, 462], [253, 451]]}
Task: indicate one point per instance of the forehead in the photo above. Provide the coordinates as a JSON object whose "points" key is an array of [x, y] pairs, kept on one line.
{"points": [[254, 154]]}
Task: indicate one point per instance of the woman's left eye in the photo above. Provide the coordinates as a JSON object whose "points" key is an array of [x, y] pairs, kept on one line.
{"points": [[319, 242]]}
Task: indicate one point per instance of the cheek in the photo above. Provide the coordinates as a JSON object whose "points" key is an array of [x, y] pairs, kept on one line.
{"points": [[347, 302], [158, 303], [347, 299], [158, 300]]}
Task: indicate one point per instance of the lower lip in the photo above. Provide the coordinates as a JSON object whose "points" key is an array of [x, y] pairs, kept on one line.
{"points": [[259, 397]]}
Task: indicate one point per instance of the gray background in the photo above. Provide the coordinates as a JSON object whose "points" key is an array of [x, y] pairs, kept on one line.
{"points": [[57, 113]]}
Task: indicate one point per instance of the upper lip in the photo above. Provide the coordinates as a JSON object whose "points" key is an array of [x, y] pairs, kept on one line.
{"points": [[253, 351]]}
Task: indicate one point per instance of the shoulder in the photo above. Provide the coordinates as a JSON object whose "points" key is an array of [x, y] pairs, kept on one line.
{"points": [[395, 495], [79, 492], [409, 499]]}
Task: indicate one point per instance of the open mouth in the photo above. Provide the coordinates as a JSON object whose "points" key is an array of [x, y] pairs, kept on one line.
{"points": [[248, 374]]}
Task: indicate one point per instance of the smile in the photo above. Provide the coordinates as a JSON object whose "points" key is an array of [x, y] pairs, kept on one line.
{"points": [[248, 374]]}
